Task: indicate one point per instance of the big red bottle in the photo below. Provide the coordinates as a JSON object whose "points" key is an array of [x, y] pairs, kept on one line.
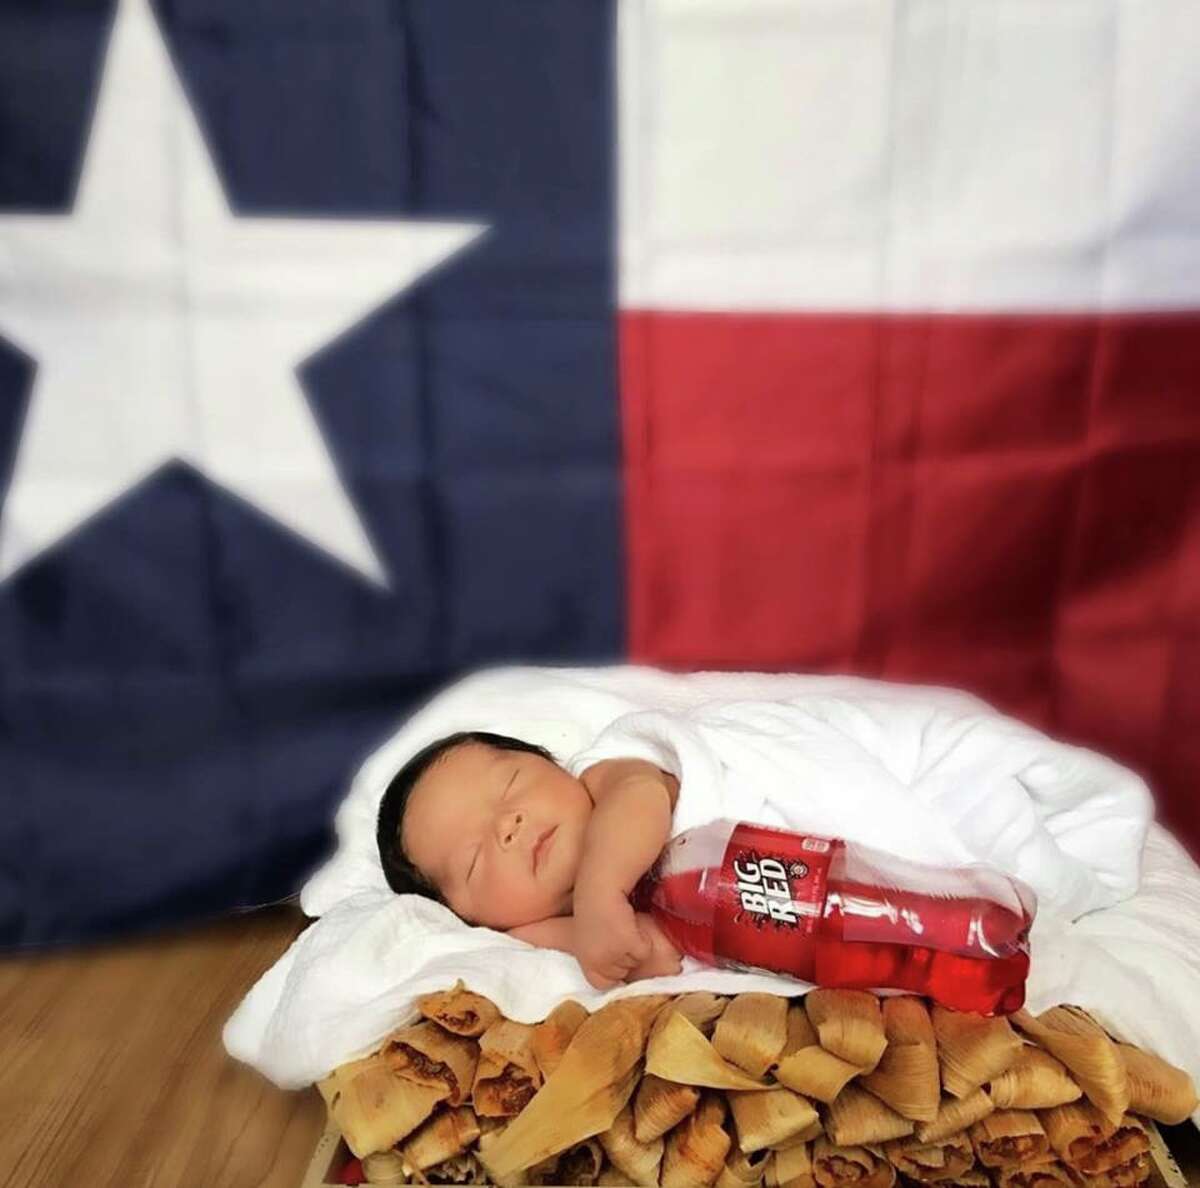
{"points": [[838, 914]]}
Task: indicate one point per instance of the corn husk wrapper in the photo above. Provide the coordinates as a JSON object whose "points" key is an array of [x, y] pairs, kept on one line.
{"points": [[554, 1033], [544, 1171], [659, 1104], [1126, 1143], [1127, 1175], [800, 1031], [743, 1169], [614, 1177], [954, 1115], [906, 1077], [770, 1118], [930, 1163], [385, 1167], [1075, 1130], [638, 1161], [1157, 1089], [508, 1074], [585, 1093], [790, 1167], [805, 1066], [427, 1055], [1009, 1138], [849, 1024], [856, 1119], [805, 1136], [972, 1049], [580, 1164], [445, 1135], [375, 1106], [835, 1165], [678, 1051], [1085, 1048], [975, 1178], [1037, 1081], [752, 1031], [696, 1149], [815, 1072], [1035, 1175], [701, 1008], [459, 1010]]}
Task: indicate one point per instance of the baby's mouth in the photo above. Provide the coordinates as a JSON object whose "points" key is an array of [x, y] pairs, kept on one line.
{"points": [[539, 851]]}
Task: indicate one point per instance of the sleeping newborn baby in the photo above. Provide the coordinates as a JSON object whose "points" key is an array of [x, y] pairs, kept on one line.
{"points": [[494, 829], [506, 837]]}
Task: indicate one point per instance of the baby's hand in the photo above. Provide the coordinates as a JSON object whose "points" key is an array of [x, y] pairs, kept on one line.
{"points": [[608, 943], [664, 960]]}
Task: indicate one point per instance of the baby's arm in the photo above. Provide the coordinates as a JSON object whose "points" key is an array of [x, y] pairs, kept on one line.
{"points": [[630, 824], [559, 933]]}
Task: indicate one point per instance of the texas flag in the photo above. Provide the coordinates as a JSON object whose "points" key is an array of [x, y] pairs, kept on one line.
{"points": [[349, 345]]}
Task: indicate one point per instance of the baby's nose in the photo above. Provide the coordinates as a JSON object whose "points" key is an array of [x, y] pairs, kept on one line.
{"points": [[510, 828]]}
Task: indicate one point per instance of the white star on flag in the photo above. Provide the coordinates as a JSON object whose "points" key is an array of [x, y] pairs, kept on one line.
{"points": [[165, 327]]}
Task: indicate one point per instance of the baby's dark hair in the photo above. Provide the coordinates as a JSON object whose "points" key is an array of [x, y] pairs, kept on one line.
{"points": [[402, 876]]}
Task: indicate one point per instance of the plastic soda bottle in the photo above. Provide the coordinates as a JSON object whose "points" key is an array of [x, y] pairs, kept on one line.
{"points": [[838, 914]]}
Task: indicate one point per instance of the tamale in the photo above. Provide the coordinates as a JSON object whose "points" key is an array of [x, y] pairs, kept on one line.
{"points": [[613, 1177], [700, 1008], [445, 1135], [856, 1118], [508, 1074], [1075, 1130], [1128, 1175], [1157, 1089], [1010, 1138], [1037, 1081], [768, 1118], [580, 1164], [386, 1167], [677, 1051], [659, 1104], [849, 1024], [1086, 1049], [459, 1010], [835, 1166], [927, 1162], [696, 1149], [639, 1161], [752, 1031], [955, 1114], [790, 1167], [975, 1178], [972, 1049], [906, 1077], [743, 1169], [1126, 1143], [585, 1093], [815, 1072], [374, 1106], [1035, 1175], [554, 1033], [426, 1054]]}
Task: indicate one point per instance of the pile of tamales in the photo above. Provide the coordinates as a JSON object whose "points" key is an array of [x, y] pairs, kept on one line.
{"points": [[839, 1087]]}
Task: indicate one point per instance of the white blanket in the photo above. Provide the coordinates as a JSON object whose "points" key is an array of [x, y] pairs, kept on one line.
{"points": [[931, 774]]}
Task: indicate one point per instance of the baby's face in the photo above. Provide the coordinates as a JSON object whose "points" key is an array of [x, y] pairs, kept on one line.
{"points": [[473, 822]]}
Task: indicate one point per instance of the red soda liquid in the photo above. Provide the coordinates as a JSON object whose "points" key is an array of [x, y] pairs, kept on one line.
{"points": [[840, 915]]}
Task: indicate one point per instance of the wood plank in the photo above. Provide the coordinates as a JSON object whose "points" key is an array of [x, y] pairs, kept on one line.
{"points": [[115, 1076]]}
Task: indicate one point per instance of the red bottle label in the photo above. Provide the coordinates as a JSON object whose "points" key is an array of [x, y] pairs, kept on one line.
{"points": [[770, 897]]}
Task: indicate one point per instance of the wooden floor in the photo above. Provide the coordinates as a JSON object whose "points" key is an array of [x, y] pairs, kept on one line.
{"points": [[113, 1072], [114, 1076]]}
